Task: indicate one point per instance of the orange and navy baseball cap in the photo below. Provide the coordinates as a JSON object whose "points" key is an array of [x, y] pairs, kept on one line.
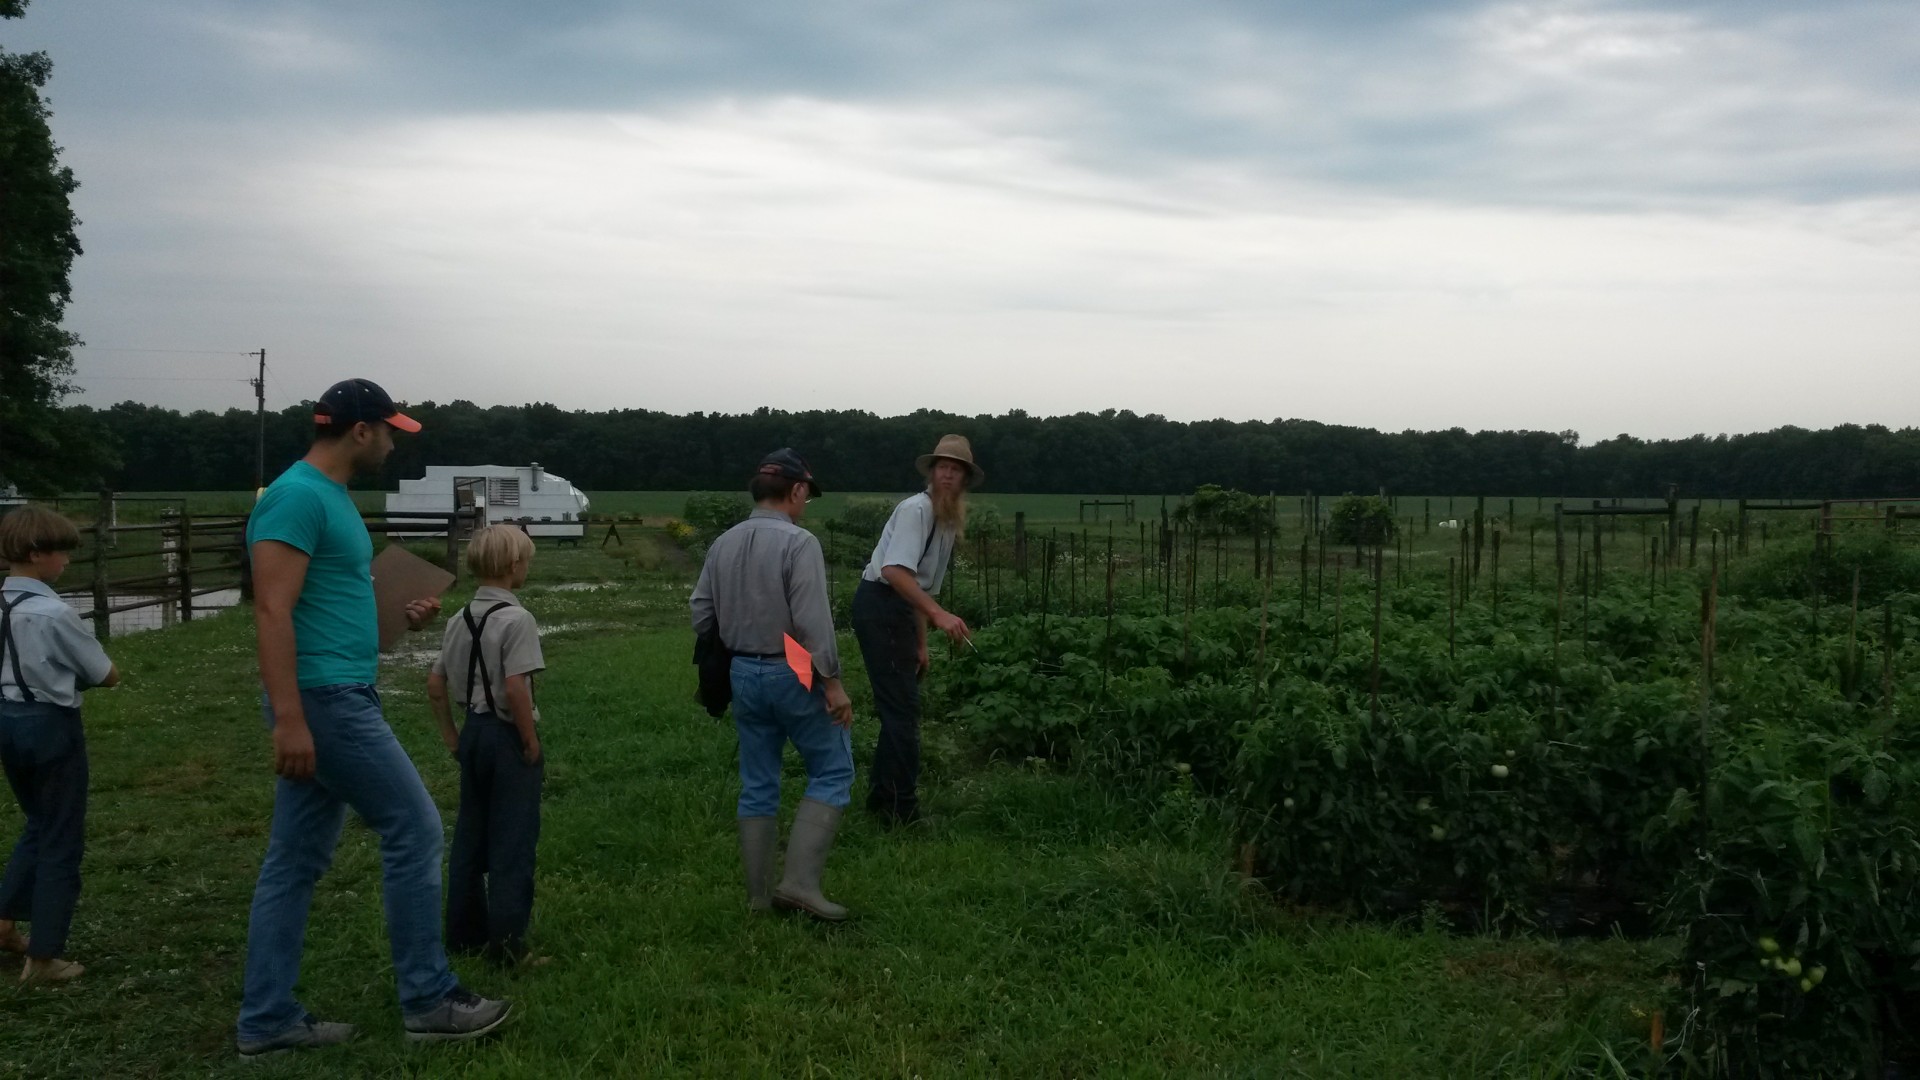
{"points": [[356, 400], [788, 463]]}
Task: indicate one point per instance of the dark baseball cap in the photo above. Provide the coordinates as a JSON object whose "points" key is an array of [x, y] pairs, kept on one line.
{"points": [[356, 400], [788, 463]]}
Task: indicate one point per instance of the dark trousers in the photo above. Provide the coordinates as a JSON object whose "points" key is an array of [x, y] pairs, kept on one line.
{"points": [[889, 636], [490, 873], [44, 753]]}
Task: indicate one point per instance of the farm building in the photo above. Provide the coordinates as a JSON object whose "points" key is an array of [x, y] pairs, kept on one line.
{"points": [[522, 494]]}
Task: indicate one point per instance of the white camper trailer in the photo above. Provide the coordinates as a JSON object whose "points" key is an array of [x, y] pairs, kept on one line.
{"points": [[547, 505]]}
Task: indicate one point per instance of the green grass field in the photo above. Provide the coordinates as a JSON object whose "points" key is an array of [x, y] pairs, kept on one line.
{"points": [[1045, 925]]}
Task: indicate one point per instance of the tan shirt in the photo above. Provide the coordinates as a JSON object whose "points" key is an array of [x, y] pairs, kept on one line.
{"points": [[509, 645]]}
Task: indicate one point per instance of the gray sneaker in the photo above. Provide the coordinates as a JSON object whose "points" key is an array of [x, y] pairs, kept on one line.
{"points": [[462, 1014], [308, 1032]]}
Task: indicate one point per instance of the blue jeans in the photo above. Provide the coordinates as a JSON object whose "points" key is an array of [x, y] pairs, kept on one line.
{"points": [[44, 752], [358, 763], [769, 708]]}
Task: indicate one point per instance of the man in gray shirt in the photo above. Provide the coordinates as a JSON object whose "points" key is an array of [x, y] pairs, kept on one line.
{"points": [[764, 581]]}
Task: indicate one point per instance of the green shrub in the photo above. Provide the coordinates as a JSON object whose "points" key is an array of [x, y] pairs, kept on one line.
{"points": [[1214, 507], [1506, 781], [1797, 570], [983, 519], [865, 516], [712, 513], [1363, 520]]}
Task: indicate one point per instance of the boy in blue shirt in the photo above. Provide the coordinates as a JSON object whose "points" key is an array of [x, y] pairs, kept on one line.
{"points": [[47, 656], [319, 653]]}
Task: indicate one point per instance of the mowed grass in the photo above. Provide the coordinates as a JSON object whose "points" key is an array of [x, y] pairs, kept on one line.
{"points": [[1045, 925]]}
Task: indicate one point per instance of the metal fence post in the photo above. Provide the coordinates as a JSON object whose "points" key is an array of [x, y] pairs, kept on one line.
{"points": [[186, 567], [102, 531], [453, 545]]}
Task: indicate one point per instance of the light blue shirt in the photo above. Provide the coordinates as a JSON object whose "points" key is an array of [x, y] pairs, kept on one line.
{"points": [[57, 652], [336, 626], [914, 540]]}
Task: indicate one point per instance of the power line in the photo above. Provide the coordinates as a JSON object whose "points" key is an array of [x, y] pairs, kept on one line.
{"points": [[183, 352], [153, 378], [280, 391]]}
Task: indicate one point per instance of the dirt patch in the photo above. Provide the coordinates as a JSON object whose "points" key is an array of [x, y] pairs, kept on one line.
{"points": [[184, 777]]}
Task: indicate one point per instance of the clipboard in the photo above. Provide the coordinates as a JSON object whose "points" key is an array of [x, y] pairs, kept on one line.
{"points": [[399, 578]]}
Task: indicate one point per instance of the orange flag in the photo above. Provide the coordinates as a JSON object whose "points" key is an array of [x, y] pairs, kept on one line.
{"points": [[800, 660]]}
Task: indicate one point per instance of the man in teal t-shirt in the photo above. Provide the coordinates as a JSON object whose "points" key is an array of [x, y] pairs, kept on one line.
{"points": [[319, 654], [334, 621]]}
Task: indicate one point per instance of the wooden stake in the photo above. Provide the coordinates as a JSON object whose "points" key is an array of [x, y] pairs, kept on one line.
{"points": [[1853, 624], [1266, 594], [1378, 588], [1709, 610], [1303, 579], [1339, 607]]}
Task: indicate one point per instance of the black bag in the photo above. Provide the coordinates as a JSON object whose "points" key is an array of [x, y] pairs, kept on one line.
{"points": [[715, 663]]}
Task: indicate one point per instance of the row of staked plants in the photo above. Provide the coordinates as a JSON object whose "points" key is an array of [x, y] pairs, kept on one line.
{"points": [[1595, 777]]}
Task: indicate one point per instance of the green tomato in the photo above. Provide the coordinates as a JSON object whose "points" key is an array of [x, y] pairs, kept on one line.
{"points": [[1792, 968], [1806, 985], [1500, 772], [1424, 804], [1437, 833], [1818, 974], [1287, 802], [1768, 945]]}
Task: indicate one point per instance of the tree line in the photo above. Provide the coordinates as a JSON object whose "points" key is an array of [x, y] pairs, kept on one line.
{"points": [[1117, 452]]}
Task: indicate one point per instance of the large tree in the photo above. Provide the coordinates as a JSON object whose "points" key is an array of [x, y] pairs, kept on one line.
{"points": [[40, 449]]}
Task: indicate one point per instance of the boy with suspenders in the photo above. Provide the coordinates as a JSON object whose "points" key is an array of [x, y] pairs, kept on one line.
{"points": [[491, 651], [47, 657]]}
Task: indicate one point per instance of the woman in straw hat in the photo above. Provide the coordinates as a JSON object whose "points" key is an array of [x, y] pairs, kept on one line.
{"points": [[891, 612]]}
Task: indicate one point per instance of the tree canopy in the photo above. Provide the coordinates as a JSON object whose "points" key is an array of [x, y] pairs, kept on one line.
{"points": [[1107, 452], [40, 446]]}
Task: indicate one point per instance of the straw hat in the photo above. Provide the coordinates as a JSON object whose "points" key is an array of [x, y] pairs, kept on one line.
{"points": [[953, 448]]}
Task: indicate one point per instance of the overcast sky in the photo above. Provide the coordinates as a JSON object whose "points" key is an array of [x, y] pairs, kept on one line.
{"points": [[1639, 217]]}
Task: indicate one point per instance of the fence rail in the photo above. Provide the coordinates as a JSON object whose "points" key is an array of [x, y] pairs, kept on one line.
{"points": [[168, 564]]}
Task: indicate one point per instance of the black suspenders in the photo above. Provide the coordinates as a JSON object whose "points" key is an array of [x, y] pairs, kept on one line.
{"points": [[933, 533], [11, 648], [475, 664]]}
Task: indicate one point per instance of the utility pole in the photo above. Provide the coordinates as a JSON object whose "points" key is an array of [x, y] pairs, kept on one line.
{"points": [[260, 417]]}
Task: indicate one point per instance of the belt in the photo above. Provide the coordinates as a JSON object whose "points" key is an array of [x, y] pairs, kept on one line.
{"points": [[763, 655]]}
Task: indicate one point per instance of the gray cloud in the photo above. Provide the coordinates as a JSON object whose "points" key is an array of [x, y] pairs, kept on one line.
{"points": [[669, 195]]}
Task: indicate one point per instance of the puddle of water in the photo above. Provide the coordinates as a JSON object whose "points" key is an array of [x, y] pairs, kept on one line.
{"points": [[156, 617]]}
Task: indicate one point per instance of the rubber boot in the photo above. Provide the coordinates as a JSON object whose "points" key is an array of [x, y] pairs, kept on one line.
{"points": [[758, 836], [814, 824]]}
